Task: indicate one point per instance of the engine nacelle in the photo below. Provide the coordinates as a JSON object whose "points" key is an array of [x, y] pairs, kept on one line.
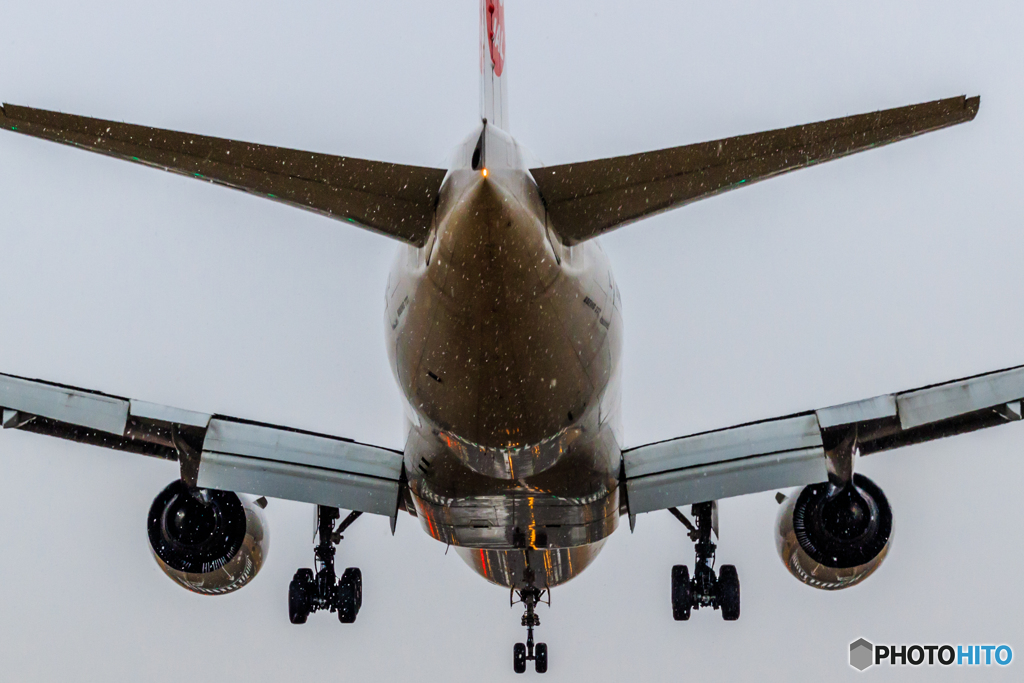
{"points": [[210, 542], [833, 538]]}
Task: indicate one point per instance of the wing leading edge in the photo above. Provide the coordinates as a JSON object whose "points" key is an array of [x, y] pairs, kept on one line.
{"points": [[390, 199], [213, 451], [795, 450], [587, 199]]}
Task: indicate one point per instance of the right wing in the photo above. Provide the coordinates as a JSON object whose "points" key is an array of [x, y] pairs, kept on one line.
{"points": [[589, 198], [213, 451], [390, 199], [800, 449]]}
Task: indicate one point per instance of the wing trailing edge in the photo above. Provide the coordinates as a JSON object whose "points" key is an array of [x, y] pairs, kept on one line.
{"points": [[391, 199], [590, 198], [213, 451], [792, 450]]}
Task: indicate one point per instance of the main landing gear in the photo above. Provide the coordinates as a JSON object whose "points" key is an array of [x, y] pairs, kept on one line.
{"points": [[308, 593], [705, 589], [524, 652]]}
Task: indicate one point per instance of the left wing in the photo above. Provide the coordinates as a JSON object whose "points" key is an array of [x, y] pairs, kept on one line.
{"points": [[214, 451], [803, 449]]}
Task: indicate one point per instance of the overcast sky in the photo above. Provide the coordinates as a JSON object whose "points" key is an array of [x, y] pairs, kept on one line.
{"points": [[893, 269]]}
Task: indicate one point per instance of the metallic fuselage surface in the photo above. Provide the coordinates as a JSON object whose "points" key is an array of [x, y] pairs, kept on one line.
{"points": [[506, 344]]}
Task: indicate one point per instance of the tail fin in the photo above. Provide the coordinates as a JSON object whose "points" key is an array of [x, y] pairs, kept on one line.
{"points": [[493, 92]]}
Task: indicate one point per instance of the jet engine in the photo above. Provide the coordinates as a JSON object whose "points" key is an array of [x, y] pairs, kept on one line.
{"points": [[833, 537], [211, 542]]}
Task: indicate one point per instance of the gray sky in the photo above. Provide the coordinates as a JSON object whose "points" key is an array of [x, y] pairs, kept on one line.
{"points": [[886, 271]]}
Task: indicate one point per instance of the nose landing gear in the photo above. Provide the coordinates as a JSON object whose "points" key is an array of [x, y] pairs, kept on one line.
{"points": [[308, 593], [528, 652], [705, 589]]}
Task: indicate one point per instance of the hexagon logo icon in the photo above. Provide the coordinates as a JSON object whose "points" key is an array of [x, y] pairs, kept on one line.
{"points": [[862, 654]]}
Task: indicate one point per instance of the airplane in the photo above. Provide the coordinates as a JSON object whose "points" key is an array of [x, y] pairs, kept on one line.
{"points": [[504, 334]]}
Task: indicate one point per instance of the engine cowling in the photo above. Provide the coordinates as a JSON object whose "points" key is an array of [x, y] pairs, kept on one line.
{"points": [[210, 542], [833, 538]]}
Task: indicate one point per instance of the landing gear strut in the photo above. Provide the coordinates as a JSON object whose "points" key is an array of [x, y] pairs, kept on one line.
{"points": [[705, 589], [308, 593], [524, 652]]}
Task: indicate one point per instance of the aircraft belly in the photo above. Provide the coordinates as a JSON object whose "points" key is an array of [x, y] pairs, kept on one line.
{"points": [[574, 502], [519, 569], [492, 350], [507, 354]]}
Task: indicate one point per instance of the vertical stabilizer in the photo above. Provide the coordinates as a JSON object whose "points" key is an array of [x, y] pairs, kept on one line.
{"points": [[493, 91]]}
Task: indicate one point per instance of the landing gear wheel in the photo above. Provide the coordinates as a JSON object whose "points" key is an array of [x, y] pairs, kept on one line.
{"points": [[705, 589], [681, 599], [541, 658], [299, 593], [729, 592], [309, 592], [519, 658], [346, 605], [349, 595], [354, 576]]}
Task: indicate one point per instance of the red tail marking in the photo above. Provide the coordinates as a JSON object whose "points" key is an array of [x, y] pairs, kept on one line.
{"points": [[496, 33]]}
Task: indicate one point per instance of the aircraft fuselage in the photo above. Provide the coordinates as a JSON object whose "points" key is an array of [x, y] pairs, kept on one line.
{"points": [[506, 345]]}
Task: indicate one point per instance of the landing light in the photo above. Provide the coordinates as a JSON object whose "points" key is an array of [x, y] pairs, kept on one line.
{"points": [[484, 173]]}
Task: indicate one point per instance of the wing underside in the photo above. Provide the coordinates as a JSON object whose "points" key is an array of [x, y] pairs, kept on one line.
{"points": [[589, 198], [213, 451], [391, 199], [793, 450]]}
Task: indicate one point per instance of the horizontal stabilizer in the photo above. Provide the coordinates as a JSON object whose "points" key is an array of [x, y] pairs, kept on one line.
{"points": [[590, 198], [391, 199]]}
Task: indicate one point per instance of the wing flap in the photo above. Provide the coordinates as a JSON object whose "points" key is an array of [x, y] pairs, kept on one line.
{"points": [[945, 401], [392, 199], [764, 438], [795, 450], [66, 404], [726, 479], [590, 198], [320, 486], [263, 442], [213, 451], [157, 412], [877, 408]]}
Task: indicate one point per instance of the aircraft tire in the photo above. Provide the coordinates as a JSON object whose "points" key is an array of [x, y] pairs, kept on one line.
{"points": [[680, 592], [541, 661], [519, 658], [350, 595], [354, 575], [729, 592], [298, 596]]}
